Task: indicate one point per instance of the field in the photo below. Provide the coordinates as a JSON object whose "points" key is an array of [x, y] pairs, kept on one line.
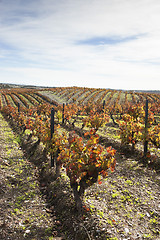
{"points": [[125, 203], [116, 103]]}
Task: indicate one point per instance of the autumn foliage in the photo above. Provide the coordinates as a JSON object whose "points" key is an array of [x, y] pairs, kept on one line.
{"points": [[85, 160]]}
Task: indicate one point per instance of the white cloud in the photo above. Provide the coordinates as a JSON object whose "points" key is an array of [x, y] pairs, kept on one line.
{"points": [[121, 78], [43, 37]]}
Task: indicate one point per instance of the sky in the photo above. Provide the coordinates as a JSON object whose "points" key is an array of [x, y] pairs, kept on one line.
{"points": [[86, 43]]}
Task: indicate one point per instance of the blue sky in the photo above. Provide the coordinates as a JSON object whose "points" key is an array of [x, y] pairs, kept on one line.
{"points": [[86, 43]]}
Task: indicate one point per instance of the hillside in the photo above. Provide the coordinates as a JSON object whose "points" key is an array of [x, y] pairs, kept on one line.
{"points": [[25, 95], [8, 86]]}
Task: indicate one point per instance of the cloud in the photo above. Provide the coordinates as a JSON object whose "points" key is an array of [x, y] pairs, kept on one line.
{"points": [[106, 40], [121, 77], [111, 43]]}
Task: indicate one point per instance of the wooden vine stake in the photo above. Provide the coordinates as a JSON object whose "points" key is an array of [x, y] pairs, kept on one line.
{"points": [[52, 131], [18, 107], [146, 130], [104, 103], [63, 114]]}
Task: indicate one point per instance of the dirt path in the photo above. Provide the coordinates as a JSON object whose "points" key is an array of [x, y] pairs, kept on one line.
{"points": [[23, 212]]}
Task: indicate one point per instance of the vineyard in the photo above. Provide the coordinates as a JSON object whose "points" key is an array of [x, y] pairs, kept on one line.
{"points": [[85, 130], [117, 115]]}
